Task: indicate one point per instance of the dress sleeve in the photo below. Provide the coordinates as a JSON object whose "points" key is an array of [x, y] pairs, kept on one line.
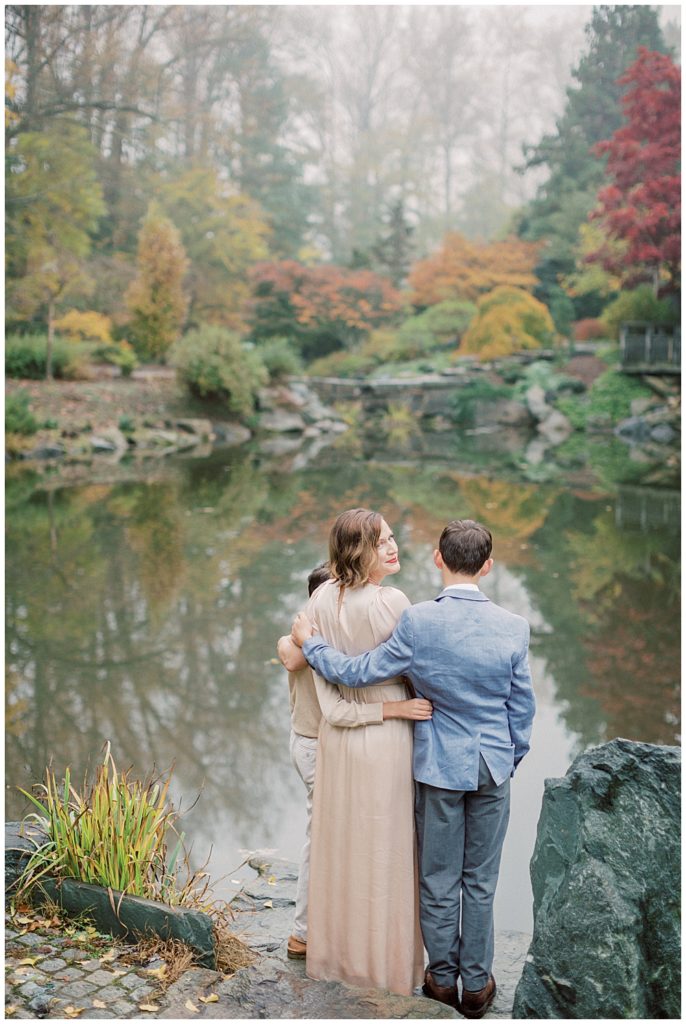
{"points": [[346, 714], [385, 612]]}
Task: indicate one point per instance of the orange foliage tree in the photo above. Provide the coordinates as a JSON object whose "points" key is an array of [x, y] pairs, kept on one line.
{"points": [[321, 309], [509, 320], [465, 270]]}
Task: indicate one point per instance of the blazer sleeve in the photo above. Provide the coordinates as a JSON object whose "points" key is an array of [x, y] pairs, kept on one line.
{"points": [[392, 658], [521, 704]]}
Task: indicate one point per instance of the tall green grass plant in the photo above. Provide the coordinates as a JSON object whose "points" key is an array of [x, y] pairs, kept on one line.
{"points": [[113, 833]]}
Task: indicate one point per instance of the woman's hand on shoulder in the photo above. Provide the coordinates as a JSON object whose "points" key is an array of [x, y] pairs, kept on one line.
{"points": [[302, 629]]}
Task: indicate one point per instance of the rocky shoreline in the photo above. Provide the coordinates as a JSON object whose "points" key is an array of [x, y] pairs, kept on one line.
{"points": [[272, 987], [150, 416]]}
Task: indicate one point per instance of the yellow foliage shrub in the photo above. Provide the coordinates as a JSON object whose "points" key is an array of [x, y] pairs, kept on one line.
{"points": [[88, 326], [509, 320]]}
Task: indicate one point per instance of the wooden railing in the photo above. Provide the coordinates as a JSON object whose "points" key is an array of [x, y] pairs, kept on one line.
{"points": [[645, 347], [647, 509]]}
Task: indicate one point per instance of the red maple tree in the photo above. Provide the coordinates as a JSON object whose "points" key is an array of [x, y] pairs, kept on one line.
{"points": [[323, 308], [642, 205]]}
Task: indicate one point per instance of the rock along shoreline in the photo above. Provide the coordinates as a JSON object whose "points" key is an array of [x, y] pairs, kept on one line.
{"points": [[273, 987]]}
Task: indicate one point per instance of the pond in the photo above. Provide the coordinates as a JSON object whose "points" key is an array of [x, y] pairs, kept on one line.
{"points": [[144, 609]]}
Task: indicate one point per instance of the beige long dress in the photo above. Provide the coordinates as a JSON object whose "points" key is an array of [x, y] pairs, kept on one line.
{"points": [[363, 913]]}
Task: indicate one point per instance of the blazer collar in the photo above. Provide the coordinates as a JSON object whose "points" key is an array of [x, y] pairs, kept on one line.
{"points": [[462, 595]]}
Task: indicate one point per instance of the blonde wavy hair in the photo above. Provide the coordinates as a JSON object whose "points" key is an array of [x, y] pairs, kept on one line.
{"points": [[352, 546]]}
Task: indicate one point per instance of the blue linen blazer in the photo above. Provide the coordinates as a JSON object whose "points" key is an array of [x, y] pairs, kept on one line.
{"points": [[469, 657]]}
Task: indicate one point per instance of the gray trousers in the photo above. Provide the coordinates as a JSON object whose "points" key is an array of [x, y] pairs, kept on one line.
{"points": [[460, 837]]}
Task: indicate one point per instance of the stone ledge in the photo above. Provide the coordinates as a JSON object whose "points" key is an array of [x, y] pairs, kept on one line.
{"points": [[112, 913], [126, 916]]}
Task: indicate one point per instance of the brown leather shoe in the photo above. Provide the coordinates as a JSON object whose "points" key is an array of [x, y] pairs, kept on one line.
{"points": [[441, 993], [296, 949], [475, 1004]]}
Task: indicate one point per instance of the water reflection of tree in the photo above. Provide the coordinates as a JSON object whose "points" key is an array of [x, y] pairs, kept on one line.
{"points": [[596, 584], [634, 661], [147, 613], [98, 663]]}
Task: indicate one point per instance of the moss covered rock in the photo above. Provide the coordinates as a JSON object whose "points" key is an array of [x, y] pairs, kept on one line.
{"points": [[606, 882]]}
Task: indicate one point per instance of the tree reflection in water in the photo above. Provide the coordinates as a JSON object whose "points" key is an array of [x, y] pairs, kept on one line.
{"points": [[146, 612]]}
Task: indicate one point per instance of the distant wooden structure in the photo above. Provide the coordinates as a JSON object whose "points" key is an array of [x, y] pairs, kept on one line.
{"points": [[645, 348], [647, 509]]}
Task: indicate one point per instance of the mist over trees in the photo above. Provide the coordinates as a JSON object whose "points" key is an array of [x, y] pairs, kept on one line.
{"points": [[357, 136]]}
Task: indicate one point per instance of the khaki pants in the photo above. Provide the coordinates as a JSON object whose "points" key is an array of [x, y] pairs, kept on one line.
{"points": [[303, 757]]}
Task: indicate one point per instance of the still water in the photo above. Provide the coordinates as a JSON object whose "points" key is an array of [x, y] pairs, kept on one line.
{"points": [[144, 609]]}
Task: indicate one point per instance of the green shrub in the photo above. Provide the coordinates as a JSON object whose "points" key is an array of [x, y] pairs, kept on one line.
{"points": [[608, 400], [18, 416], [546, 376], [214, 363], [612, 393], [25, 357], [280, 358], [466, 398], [342, 364], [127, 424], [575, 409], [121, 354], [640, 304], [437, 327]]}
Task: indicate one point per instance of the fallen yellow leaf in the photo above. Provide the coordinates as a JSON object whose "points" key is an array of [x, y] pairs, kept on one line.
{"points": [[148, 1007], [214, 998], [99, 1005], [22, 920], [9, 1010], [157, 972], [191, 1006], [268, 903], [73, 1011], [29, 961], [117, 974], [108, 956], [271, 880]]}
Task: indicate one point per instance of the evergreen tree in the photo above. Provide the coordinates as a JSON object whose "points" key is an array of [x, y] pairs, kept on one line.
{"points": [[592, 113], [265, 168], [394, 250], [156, 298]]}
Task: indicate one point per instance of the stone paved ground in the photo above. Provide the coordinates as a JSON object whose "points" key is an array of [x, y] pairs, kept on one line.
{"points": [[83, 976], [50, 973]]}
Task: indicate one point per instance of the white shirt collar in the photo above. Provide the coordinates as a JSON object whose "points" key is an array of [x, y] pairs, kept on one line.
{"points": [[461, 586]]}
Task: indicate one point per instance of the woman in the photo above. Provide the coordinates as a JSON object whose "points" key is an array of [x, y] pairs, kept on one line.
{"points": [[363, 917]]}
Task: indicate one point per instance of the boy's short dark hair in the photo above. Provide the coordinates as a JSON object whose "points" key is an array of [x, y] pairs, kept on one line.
{"points": [[318, 576], [465, 545]]}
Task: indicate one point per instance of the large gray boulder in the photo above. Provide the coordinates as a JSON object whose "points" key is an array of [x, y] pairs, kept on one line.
{"points": [[606, 876]]}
